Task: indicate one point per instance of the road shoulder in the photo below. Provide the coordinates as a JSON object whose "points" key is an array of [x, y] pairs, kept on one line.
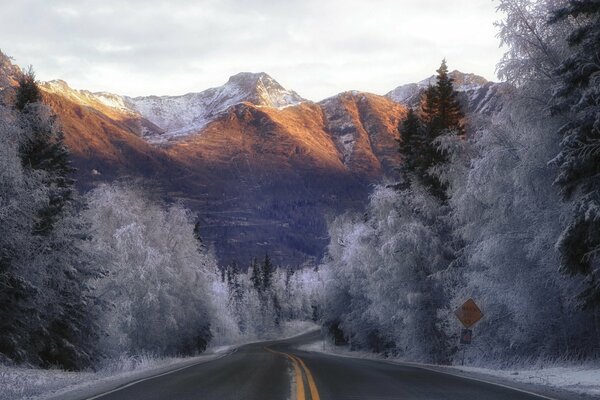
{"points": [[508, 379]]}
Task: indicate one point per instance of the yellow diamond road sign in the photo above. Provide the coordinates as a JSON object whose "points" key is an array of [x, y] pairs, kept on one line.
{"points": [[468, 313]]}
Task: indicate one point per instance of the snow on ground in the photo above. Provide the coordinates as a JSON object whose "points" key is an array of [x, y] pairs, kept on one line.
{"points": [[40, 384], [582, 381], [32, 383], [576, 378]]}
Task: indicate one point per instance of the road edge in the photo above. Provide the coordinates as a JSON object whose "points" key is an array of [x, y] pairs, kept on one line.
{"points": [[541, 391], [96, 389]]}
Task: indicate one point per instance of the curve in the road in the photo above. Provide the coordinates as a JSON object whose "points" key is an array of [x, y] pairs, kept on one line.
{"points": [[262, 371]]}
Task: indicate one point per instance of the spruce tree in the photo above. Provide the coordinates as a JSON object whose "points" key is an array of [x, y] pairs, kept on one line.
{"points": [[267, 273], [441, 114], [43, 149], [447, 113], [411, 146], [66, 333], [578, 99], [256, 275], [28, 91]]}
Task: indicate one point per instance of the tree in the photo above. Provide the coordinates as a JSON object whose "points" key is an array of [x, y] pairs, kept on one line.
{"points": [[578, 98], [47, 313], [447, 114], [440, 114], [256, 275], [28, 91], [157, 280], [267, 271], [411, 146], [42, 148]]}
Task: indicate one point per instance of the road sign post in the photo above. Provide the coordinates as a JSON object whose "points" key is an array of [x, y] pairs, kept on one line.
{"points": [[468, 314], [466, 336]]}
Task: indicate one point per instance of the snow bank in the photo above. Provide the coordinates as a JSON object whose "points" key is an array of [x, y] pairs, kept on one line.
{"points": [[38, 384]]}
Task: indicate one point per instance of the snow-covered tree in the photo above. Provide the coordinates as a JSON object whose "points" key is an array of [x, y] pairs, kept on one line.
{"points": [[383, 288], [577, 98], [47, 313], [157, 279]]}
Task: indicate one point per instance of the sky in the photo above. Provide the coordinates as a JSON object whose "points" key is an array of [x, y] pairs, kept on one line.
{"points": [[315, 47]]}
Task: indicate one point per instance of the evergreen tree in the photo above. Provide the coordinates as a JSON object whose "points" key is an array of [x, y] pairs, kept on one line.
{"points": [[441, 114], [267, 271], [256, 275], [66, 332], [43, 149], [28, 91], [447, 113], [411, 147], [578, 99]]}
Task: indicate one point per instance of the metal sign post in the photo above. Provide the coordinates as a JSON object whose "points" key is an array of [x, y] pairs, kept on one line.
{"points": [[468, 314]]}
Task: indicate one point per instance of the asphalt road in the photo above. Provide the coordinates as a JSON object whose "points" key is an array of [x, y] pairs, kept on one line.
{"points": [[265, 371]]}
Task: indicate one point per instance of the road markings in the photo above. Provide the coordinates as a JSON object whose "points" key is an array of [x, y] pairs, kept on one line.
{"points": [[299, 368]]}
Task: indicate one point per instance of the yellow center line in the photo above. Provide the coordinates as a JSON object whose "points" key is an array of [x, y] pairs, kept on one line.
{"points": [[314, 393], [300, 393]]}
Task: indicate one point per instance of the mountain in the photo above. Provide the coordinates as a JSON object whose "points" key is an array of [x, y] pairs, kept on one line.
{"points": [[263, 168], [476, 94], [8, 71], [182, 115]]}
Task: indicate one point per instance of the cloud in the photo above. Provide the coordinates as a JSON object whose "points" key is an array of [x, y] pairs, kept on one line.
{"points": [[318, 48]]}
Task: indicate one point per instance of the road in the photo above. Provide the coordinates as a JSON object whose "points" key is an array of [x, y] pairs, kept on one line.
{"points": [[264, 371]]}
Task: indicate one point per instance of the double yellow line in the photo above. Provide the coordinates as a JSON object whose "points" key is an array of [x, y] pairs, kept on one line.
{"points": [[300, 371]]}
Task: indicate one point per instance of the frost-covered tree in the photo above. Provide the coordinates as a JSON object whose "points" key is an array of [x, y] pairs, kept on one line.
{"points": [[21, 196], [506, 209], [383, 288], [157, 280], [577, 97], [47, 313]]}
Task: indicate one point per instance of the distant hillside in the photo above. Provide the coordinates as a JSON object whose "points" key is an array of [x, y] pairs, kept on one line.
{"points": [[262, 167]]}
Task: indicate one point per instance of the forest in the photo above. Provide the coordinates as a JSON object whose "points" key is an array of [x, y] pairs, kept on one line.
{"points": [[505, 210], [502, 210]]}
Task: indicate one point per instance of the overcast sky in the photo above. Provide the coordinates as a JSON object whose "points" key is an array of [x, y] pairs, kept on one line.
{"points": [[316, 47]]}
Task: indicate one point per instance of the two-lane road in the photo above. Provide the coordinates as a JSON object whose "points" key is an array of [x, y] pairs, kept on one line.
{"points": [[265, 370]]}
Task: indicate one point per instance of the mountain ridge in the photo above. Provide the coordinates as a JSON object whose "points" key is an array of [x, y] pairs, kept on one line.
{"points": [[262, 167]]}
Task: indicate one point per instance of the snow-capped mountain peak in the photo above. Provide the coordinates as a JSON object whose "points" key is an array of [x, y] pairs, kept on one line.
{"points": [[189, 113], [261, 89]]}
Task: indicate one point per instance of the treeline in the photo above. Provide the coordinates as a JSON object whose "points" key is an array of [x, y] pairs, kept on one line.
{"points": [[262, 296], [505, 211], [85, 279]]}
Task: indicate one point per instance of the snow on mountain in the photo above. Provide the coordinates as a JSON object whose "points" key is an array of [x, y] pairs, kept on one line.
{"points": [[85, 97], [476, 93], [340, 124], [410, 93], [189, 113], [179, 116]]}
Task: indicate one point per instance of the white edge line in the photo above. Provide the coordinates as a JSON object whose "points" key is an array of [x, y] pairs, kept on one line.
{"points": [[425, 367], [457, 375], [158, 376]]}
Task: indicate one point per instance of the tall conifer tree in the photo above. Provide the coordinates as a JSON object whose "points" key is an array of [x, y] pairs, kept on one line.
{"points": [[440, 114], [578, 99]]}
